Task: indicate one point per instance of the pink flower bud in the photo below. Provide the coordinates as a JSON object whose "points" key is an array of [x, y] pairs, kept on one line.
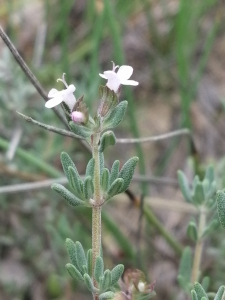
{"points": [[78, 117]]}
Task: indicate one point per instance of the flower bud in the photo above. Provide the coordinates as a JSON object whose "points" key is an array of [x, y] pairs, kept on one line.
{"points": [[78, 117]]}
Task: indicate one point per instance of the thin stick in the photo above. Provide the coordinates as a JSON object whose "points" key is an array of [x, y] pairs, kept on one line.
{"points": [[178, 132], [50, 128]]}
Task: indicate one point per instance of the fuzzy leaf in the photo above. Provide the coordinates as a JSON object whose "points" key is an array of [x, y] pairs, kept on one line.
{"points": [[88, 188], [198, 196], [89, 261], [114, 171], [75, 180], [205, 283], [74, 273], [192, 231], [106, 295], [220, 293], [184, 273], [66, 163], [115, 116], [80, 130], [209, 174], [107, 139], [105, 180], [184, 186], [90, 168], [117, 273], [220, 199], [71, 249], [194, 295], [99, 268], [115, 188], [127, 172], [107, 281], [67, 195], [89, 283], [80, 255], [200, 291]]}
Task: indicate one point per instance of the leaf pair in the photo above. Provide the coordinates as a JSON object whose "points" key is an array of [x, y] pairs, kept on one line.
{"points": [[83, 190], [106, 279], [198, 293], [117, 181], [201, 191]]}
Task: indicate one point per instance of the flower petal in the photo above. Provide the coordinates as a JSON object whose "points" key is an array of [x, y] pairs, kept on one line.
{"points": [[129, 82], [113, 80], [70, 100], [102, 75], [54, 101], [125, 72], [52, 93]]}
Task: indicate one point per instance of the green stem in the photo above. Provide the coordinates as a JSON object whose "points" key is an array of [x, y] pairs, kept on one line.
{"points": [[199, 246], [150, 217], [33, 160], [96, 210]]}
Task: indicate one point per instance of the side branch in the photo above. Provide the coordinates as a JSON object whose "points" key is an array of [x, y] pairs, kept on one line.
{"points": [[178, 132], [50, 128]]}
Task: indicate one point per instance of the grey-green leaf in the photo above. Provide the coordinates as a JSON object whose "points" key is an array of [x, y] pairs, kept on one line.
{"points": [[114, 118], [194, 295], [90, 168], [67, 195], [211, 227], [107, 139], [127, 172], [89, 283], [105, 180], [185, 267], [117, 273], [89, 261], [80, 130], [66, 163], [107, 281], [220, 293], [184, 186], [114, 171], [88, 188], [200, 291], [74, 273], [75, 180], [198, 196], [192, 231], [99, 268], [115, 188], [220, 199], [71, 249], [106, 295], [81, 258]]}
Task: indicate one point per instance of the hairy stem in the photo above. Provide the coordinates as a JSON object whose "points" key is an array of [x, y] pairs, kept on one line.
{"points": [[96, 210], [199, 246]]}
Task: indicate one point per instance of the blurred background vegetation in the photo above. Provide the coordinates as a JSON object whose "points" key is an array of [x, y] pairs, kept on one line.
{"points": [[176, 48]]}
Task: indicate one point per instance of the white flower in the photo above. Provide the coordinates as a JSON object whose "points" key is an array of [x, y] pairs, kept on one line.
{"points": [[58, 97], [121, 77]]}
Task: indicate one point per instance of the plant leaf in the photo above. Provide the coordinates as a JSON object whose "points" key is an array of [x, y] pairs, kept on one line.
{"points": [[74, 273], [67, 195], [220, 199], [127, 172], [114, 118], [184, 186], [107, 139], [114, 171], [117, 273], [99, 268]]}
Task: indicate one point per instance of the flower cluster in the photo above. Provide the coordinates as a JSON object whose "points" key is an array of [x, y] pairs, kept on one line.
{"points": [[114, 80]]}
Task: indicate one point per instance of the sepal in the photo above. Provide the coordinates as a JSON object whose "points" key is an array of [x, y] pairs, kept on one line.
{"points": [[109, 99]]}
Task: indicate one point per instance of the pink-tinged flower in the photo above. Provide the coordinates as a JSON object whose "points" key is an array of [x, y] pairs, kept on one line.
{"points": [[78, 117], [58, 97], [115, 79]]}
